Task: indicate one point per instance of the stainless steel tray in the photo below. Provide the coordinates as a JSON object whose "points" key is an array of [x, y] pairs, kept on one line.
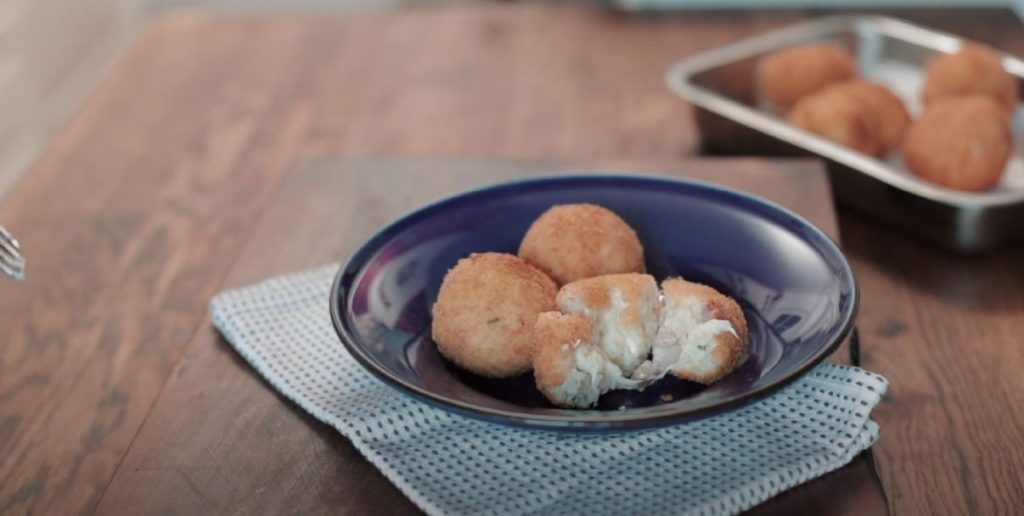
{"points": [[720, 83]]}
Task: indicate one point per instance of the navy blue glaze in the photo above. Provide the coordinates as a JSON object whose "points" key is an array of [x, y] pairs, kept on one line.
{"points": [[796, 289]]}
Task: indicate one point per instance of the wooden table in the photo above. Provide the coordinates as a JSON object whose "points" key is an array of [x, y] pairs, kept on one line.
{"points": [[179, 175], [326, 207]]}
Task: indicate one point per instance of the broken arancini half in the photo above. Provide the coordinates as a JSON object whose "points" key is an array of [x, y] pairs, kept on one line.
{"points": [[570, 369], [703, 335], [624, 311]]}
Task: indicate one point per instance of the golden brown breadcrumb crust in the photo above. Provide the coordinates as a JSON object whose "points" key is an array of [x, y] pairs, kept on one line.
{"points": [[786, 76], [887, 111], [554, 335], [961, 143], [576, 241], [731, 350], [596, 294], [975, 69], [841, 118], [486, 310]]}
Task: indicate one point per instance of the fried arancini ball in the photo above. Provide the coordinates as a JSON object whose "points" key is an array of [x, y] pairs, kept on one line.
{"points": [[486, 310], [577, 241], [889, 114], [961, 143], [786, 76], [703, 334], [570, 369], [624, 311], [974, 69], [846, 121]]}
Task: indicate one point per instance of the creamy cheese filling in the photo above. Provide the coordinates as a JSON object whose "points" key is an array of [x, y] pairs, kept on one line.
{"points": [[593, 374], [626, 346], [685, 337], [697, 349], [684, 340]]}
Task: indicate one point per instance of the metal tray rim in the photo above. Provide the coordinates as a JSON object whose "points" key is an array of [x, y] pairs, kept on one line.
{"points": [[679, 74]]}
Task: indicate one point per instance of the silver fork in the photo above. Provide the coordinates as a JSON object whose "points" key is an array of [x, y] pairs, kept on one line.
{"points": [[12, 263]]}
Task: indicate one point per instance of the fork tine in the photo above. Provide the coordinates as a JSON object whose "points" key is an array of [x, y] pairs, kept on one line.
{"points": [[8, 237], [10, 246], [10, 251], [12, 263], [16, 271]]}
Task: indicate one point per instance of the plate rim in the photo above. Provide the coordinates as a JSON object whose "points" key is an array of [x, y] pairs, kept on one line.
{"points": [[603, 420]]}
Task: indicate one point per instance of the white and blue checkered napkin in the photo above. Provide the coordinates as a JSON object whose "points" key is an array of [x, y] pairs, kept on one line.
{"points": [[449, 464]]}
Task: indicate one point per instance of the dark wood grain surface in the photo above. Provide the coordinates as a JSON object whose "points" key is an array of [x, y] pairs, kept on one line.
{"points": [[143, 205]]}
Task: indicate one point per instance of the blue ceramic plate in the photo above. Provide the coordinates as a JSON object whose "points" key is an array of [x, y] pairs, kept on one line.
{"points": [[795, 287]]}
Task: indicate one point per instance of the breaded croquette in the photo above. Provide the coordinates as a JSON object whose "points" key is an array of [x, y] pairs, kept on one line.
{"points": [[703, 334], [961, 143], [974, 69], [624, 311], [786, 76], [843, 120], [486, 310], [888, 112], [576, 241], [570, 369]]}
